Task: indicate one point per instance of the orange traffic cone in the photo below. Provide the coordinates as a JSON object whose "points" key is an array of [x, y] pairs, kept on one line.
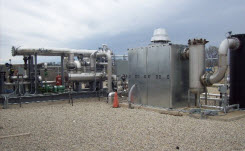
{"points": [[115, 101]]}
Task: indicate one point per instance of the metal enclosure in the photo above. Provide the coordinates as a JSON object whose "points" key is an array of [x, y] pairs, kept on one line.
{"points": [[161, 76], [121, 67], [237, 73]]}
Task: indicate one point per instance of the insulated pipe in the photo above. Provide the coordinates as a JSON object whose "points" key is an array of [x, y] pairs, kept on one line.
{"points": [[84, 76], [107, 54], [21, 77], [130, 95], [229, 43], [110, 96], [78, 66], [93, 60], [62, 69], [50, 51], [71, 64], [196, 64]]}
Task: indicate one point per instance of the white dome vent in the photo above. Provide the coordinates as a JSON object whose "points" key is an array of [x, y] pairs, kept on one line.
{"points": [[160, 35]]}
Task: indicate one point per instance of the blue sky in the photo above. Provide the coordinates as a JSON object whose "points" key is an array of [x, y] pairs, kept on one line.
{"points": [[120, 24]]}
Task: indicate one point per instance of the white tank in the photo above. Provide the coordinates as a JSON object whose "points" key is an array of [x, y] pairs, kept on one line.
{"points": [[160, 35], [196, 64]]}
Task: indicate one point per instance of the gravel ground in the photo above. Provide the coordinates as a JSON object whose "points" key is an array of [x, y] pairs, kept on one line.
{"points": [[94, 125]]}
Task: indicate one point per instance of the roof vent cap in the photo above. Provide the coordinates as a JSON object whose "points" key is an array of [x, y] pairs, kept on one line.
{"points": [[160, 35]]}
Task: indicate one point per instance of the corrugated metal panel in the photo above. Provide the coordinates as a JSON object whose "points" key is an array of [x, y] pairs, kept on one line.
{"points": [[161, 76], [158, 68]]}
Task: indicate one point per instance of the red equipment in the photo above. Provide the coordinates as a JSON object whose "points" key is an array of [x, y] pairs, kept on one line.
{"points": [[58, 80]]}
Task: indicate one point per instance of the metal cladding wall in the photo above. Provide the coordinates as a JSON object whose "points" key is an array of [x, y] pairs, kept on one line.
{"points": [[237, 73], [161, 76]]}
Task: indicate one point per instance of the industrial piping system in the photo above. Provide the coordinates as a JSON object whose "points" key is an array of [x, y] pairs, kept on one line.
{"points": [[50, 51], [198, 78], [72, 64], [231, 43]]}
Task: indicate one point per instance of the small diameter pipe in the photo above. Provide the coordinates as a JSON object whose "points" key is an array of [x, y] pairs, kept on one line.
{"points": [[62, 69], [130, 95], [110, 96], [35, 73]]}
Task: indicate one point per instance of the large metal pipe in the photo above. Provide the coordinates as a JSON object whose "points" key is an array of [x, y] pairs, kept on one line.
{"points": [[50, 51], [78, 66], [84, 76], [93, 60], [196, 64], [231, 43], [107, 54]]}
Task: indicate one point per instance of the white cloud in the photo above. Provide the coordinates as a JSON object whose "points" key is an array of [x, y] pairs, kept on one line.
{"points": [[54, 23], [50, 23]]}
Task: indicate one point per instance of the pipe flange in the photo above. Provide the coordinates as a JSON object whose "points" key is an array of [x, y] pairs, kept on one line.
{"points": [[185, 54], [197, 41], [236, 45], [70, 66], [205, 79]]}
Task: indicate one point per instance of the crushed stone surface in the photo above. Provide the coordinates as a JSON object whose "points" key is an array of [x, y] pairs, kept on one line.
{"points": [[94, 125]]}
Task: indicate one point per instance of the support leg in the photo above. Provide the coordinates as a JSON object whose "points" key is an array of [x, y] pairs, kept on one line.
{"points": [[35, 73], [62, 70], [206, 96]]}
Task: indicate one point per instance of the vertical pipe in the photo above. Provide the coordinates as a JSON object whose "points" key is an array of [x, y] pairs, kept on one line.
{"points": [[196, 67], [109, 71], [206, 96], [29, 73], [35, 73], [62, 69], [196, 64]]}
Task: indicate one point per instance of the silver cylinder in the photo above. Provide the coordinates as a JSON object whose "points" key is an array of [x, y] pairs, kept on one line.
{"points": [[196, 64], [85, 76]]}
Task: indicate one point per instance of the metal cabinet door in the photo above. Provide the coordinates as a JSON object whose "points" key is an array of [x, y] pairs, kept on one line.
{"points": [[141, 75], [132, 65], [158, 69]]}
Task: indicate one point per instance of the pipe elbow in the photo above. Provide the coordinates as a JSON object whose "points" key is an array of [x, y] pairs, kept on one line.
{"points": [[130, 93], [185, 54], [230, 43], [110, 95]]}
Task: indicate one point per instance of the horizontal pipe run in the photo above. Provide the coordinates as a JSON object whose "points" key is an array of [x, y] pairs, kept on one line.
{"points": [[212, 94], [48, 82], [85, 76], [214, 99], [15, 83], [50, 51], [210, 106], [20, 77]]}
